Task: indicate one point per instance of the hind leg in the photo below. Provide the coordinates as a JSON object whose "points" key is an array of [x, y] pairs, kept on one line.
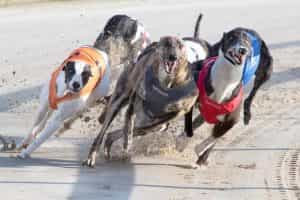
{"points": [[262, 74], [116, 135], [203, 150]]}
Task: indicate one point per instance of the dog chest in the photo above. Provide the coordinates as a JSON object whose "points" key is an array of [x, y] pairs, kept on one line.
{"points": [[157, 100]]}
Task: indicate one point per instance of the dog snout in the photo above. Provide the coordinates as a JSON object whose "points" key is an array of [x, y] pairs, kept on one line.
{"points": [[76, 85], [172, 57]]}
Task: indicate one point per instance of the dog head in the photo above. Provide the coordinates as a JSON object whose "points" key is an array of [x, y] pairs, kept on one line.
{"points": [[172, 58], [236, 47], [77, 75], [123, 38]]}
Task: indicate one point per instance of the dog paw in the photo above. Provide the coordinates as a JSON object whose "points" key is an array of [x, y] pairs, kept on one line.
{"points": [[21, 156], [164, 127], [125, 156], [107, 149], [19, 148], [202, 162], [91, 161], [181, 142]]}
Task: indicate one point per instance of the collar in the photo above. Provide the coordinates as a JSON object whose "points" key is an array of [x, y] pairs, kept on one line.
{"points": [[92, 57]]}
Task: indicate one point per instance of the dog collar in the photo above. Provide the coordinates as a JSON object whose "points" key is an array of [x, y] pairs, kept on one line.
{"points": [[85, 54], [210, 109]]}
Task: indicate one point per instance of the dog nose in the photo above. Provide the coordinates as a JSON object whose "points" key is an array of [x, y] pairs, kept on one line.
{"points": [[172, 57], [76, 85], [242, 50]]}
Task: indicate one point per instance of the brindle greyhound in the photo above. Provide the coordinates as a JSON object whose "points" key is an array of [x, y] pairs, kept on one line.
{"points": [[123, 38], [159, 88], [241, 55], [197, 48]]}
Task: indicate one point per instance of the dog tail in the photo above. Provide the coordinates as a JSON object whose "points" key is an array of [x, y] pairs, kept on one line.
{"points": [[197, 26]]}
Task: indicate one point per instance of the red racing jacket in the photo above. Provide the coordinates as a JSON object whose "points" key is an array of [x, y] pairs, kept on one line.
{"points": [[210, 109]]}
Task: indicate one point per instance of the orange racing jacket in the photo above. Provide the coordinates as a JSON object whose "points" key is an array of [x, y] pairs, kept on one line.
{"points": [[91, 57]]}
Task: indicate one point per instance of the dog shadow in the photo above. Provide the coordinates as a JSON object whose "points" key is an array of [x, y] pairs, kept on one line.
{"points": [[27, 94]]}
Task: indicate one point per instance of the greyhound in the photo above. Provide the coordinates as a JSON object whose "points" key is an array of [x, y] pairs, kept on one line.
{"points": [[197, 49], [159, 88], [123, 38], [220, 80], [82, 79]]}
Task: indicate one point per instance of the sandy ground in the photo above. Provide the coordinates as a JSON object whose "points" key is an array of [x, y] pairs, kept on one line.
{"points": [[259, 161]]}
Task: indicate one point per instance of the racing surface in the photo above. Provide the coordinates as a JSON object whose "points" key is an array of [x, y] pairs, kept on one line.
{"points": [[259, 161]]}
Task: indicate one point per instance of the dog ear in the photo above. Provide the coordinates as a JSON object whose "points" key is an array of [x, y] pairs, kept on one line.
{"points": [[66, 65]]}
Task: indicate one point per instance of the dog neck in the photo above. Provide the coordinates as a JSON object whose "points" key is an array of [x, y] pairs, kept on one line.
{"points": [[225, 78]]}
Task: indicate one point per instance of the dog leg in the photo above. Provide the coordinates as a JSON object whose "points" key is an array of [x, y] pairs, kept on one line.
{"points": [[54, 122], [261, 76], [182, 141], [103, 113], [116, 103], [128, 130], [66, 126], [39, 123], [203, 149], [110, 139]]}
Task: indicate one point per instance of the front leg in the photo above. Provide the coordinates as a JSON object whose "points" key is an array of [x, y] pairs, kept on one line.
{"points": [[183, 140], [54, 122], [116, 103], [129, 127], [203, 150], [39, 124]]}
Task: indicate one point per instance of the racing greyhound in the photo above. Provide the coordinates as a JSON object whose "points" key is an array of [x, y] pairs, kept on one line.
{"points": [[159, 88]]}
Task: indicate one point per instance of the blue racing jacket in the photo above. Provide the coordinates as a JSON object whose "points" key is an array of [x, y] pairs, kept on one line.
{"points": [[252, 61]]}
